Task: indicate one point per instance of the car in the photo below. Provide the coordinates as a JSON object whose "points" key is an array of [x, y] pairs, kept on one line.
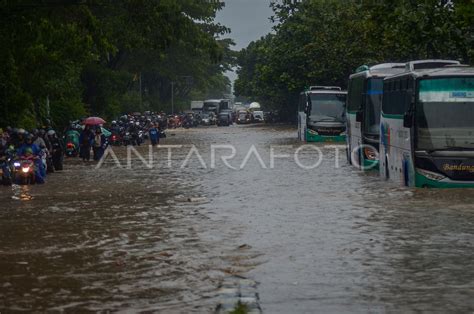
{"points": [[224, 119], [243, 117], [230, 113], [208, 118], [257, 116]]}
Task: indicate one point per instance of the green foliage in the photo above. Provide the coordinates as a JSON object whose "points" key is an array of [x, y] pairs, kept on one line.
{"points": [[240, 308], [86, 57], [321, 42]]}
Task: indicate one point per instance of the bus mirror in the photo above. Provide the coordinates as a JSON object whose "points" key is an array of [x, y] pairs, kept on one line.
{"points": [[407, 120], [359, 116]]}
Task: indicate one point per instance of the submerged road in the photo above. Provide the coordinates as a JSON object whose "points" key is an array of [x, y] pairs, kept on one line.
{"points": [[190, 234]]}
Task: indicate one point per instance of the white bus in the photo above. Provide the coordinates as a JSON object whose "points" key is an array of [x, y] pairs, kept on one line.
{"points": [[321, 114], [427, 125], [364, 100]]}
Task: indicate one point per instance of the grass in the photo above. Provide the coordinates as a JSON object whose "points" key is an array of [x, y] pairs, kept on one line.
{"points": [[240, 308]]}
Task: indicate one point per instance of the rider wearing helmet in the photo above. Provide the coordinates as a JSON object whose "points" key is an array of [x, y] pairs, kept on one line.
{"points": [[18, 137], [57, 149], [29, 149]]}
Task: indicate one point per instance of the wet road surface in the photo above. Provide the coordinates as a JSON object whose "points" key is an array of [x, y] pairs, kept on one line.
{"points": [[184, 239]]}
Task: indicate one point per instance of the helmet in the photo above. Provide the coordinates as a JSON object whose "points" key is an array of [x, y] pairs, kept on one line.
{"points": [[51, 133], [28, 151], [21, 131], [28, 137]]}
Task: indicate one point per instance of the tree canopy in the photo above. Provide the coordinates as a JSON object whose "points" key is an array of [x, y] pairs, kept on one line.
{"points": [[321, 42], [62, 59]]}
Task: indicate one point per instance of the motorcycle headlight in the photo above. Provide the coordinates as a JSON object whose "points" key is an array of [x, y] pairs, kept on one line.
{"points": [[16, 164], [25, 169], [312, 132], [430, 175]]}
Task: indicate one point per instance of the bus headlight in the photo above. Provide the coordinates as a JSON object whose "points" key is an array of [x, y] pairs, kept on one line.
{"points": [[312, 132], [430, 175], [370, 153]]}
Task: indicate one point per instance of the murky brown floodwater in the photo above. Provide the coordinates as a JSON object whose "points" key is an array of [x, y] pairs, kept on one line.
{"points": [[322, 240]]}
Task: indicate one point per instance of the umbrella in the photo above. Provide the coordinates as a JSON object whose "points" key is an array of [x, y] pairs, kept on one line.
{"points": [[106, 132], [94, 121]]}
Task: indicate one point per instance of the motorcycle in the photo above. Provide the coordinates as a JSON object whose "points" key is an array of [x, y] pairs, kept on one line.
{"points": [[127, 139], [72, 144], [71, 150], [25, 171], [115, 140], [6, 171], [57, 159], [140, 138]]}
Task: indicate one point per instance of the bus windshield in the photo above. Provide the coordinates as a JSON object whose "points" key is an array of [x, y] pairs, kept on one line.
{"points": [[373, 104], [328, 107], [445, 114]]}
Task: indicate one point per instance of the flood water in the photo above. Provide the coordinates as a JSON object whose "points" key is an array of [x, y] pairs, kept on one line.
{"points": [[168, 239]]}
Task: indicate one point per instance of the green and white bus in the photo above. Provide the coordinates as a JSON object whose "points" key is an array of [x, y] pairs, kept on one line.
{"points": [[321, 116], [427, 125], [364, 100]]}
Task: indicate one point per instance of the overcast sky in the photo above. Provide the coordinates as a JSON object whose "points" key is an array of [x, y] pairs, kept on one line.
{"points": [[248, 21]]}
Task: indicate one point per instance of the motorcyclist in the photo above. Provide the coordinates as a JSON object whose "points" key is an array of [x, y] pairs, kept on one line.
{"points": [[38, 139], [72, 142], [45, 150], [28, 148], [18, 137], [5, 177], [57, 150], [154, 135], [134, 129]]}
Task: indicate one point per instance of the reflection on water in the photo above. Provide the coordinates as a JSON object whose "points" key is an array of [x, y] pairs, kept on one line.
{"points": [[21, 192], [331, 239]]}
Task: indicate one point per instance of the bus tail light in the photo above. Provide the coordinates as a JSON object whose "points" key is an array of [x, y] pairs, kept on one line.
{"points": [[312, 132]]}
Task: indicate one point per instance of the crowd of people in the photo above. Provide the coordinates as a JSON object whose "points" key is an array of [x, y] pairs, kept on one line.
{"points": [[42, 145], [86, 141]]}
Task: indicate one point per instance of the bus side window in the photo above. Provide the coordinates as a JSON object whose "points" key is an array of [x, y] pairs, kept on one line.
{"points": [[354, 99], [308, 104]]}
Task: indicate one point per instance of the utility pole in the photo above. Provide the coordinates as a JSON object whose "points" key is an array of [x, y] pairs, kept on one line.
{"points": [[172, 97], [140, 82]]}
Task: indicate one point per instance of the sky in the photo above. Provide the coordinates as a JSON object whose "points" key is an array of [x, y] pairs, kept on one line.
{"points": [[248, 21]]}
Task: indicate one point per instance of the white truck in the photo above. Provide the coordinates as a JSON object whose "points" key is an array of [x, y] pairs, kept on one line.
{"points": [[197, 105]]}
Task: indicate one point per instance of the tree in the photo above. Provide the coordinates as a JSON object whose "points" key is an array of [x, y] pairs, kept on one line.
{"points": [[321, 42], [63, 59]]}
